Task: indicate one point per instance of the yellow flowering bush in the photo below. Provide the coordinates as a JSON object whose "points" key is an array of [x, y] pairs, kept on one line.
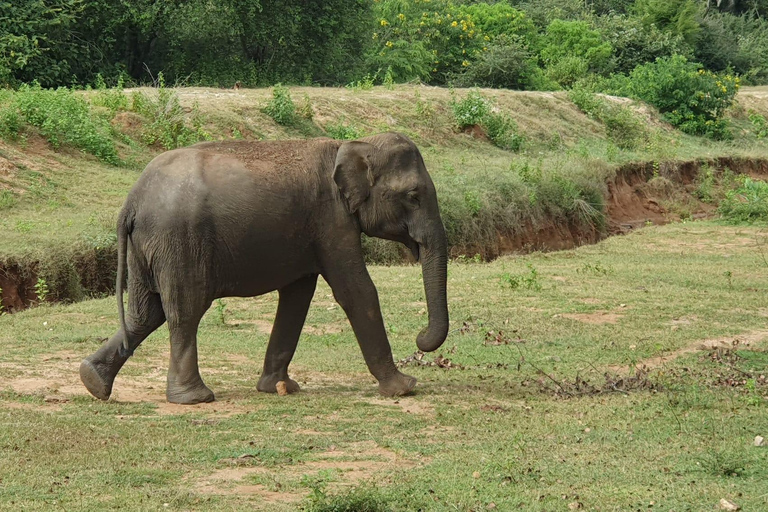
{"points": [[692, 99]]}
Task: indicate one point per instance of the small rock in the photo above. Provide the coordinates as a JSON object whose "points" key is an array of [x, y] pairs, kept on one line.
{"points": [[476, 474], [728, 505], [587, 430], [281, 389], [491, 506], [575, 505], [759, 440]]}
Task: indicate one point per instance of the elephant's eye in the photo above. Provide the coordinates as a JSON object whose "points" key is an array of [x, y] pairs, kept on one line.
{"points": [[413, 197]]}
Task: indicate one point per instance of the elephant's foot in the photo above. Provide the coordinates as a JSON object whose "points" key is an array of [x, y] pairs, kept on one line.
{"points": [[398, 384], [268, 384], [193, 394], [97, 379]]}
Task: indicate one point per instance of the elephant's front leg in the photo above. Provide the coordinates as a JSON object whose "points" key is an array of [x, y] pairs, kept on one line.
{"points": [[291, 313], [355, 292]]}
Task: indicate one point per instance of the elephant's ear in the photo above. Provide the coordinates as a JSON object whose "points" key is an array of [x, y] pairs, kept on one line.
{"points": [[352, 173]]}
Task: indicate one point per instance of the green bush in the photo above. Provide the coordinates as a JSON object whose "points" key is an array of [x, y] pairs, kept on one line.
{"points": [[471, 110], [169, 124], [747, 203], [113, 98], [571, 49], [281, 107], [692, 99], [342, 131], [635, 42], [505, 62], [63, 118], [621, 125], [502, 130], [759, 123], [474, 109]]}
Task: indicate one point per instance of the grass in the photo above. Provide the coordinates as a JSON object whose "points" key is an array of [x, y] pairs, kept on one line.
{"points": [[492, 427], [52, 216]]}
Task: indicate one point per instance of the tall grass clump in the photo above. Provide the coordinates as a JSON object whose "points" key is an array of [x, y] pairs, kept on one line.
{"points": [[169, 124], [63, 117], [746, 203]]}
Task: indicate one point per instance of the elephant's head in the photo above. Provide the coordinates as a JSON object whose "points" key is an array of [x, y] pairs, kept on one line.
{"points": [[385, 184]]}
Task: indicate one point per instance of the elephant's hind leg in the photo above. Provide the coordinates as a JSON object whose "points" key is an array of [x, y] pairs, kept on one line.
{"points": [[185, 386], [291, 313], [144, 315]]}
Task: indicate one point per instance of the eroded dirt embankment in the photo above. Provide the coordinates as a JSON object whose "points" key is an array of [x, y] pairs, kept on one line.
{"points": [[638, 194]]}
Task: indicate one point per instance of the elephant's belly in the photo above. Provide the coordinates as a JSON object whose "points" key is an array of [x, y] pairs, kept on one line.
{"points": [[263, 273]]}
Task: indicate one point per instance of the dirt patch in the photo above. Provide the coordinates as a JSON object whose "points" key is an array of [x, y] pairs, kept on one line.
{"points": [[598, 317], [727, 342], [407, 404], [633, 200], [351, 464]]}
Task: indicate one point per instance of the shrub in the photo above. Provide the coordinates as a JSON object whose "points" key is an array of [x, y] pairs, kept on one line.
{"points": [[113, 99], [636, 43], [747, 203], [571, 49], [474, 109], [342, 131], [759, 124], [621, 126], [692, 99], [281, 107], [471, 110], [64, 118], [502, 130], [168, 121], [505, 62], [414, 41]]}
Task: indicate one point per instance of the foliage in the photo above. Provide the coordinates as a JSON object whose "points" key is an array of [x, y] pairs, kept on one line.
{"points": [[502, 130], [41, 289], [169, 125], [759, 124], [529, 280], [505, 62], [474, 109], [634, 42], [621, 126], [471, 110], [342, 131], [690, 98], [426, 39], [281, 107], [747, 203], [62, 116], [571, 49], [678, 17]]}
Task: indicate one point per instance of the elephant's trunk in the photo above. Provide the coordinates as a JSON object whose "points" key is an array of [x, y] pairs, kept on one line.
{"points": [[434, 259]]}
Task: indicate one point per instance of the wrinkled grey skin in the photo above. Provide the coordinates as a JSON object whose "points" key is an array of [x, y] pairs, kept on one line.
{"points": [[223, 219]]}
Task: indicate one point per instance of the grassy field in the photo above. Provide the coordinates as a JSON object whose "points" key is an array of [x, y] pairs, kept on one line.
{"points": [[628, 375]]}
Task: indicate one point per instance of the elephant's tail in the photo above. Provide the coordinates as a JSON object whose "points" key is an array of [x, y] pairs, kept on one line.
{"points": [[124, 227]]}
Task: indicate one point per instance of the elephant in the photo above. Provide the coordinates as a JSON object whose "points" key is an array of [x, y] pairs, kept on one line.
{"points": [[244, 218]]}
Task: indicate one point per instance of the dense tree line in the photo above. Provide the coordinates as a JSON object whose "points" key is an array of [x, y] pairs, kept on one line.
{"points": [[530, 44]]}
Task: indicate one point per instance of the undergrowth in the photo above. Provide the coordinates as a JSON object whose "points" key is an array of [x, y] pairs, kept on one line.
{"points": [[61, 116], [746, 203]]}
